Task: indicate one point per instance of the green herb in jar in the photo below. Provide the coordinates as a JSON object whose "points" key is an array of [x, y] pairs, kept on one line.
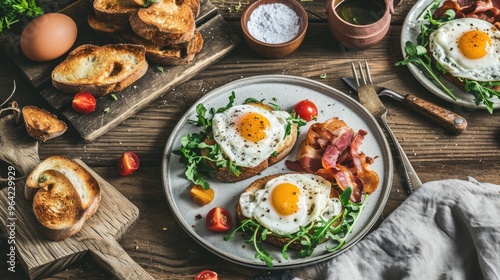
{"points": [[360, 12]]}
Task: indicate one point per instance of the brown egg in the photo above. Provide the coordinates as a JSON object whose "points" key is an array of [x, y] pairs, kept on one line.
{"points": [[48, 37]]}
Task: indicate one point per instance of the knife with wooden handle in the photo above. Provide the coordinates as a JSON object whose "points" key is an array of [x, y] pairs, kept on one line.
{"points": [[446, 118]]}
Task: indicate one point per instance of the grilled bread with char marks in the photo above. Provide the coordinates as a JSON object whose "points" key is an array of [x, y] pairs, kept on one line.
{"points": [[41, 124], [176, 54], [100, 69], [164, 23], [115, 11], [65, 196]]}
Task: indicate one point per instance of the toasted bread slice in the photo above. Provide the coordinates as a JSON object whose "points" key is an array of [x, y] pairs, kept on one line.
{"points": [[100, 70], [82, 180], [41, 124], [164, 23], [194, 5], [66, 196], [105, 27], [115, 11], [270, 238], [281, 152], [57, 205], [168, 55]]}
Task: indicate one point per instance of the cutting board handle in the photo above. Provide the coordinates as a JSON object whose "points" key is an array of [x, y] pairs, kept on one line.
{"points": [[114, 259]]}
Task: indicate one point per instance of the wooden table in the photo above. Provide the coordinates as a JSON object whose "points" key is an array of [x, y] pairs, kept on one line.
{"points": [[157, 242]]}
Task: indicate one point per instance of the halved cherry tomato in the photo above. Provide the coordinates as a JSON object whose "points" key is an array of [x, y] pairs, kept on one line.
{"points": [[200, 195], [128, 163], [218, 219], [206, 275], [83, 102], [306, 109]]}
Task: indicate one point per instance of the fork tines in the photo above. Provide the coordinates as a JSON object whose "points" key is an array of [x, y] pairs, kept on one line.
{"points": [[365, 75]]}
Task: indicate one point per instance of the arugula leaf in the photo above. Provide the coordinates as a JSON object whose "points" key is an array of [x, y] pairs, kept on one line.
{"points": [[417, 56], [294, 119], [483, 92], [350, 216], [251, 225], [345, 196], [253, 100], [229, 105], [190, 156]]}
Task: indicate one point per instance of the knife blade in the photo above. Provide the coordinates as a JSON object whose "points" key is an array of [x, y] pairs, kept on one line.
{"points": [[446, 118]]}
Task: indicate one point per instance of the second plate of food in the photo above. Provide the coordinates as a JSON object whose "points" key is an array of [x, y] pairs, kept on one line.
{"points": [[285, 91], [409, 32]]}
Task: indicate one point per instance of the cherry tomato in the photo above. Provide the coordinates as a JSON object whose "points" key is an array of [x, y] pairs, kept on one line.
{"points": [[128, 163], [84, 102], [306, 109], [206, 275], [219, 219]]}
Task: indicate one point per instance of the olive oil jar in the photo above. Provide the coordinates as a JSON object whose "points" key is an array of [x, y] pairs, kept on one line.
{"points": [[359, 24]]}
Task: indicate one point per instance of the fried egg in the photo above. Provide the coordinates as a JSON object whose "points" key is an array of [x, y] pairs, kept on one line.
{"points": [[468, 48], [290, 201], [248, 135]]}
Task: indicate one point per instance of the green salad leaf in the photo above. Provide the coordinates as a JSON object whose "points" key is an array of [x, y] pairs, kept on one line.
{"points": [[12, 10], [418, 56]]}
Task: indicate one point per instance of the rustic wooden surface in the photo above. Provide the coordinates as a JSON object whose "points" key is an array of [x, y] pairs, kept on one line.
{"points": [[157, 242]]}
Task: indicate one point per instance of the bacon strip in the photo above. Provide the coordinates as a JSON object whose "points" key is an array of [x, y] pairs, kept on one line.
{"points": [[331, 150], [369, 177], [488, 10]]}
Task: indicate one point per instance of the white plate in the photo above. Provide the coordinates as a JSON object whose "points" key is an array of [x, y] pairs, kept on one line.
{"points": [[285, 91], [409, 32]]}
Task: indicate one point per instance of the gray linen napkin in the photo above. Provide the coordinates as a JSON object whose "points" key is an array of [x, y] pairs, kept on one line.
{"points": [[447, 229]]}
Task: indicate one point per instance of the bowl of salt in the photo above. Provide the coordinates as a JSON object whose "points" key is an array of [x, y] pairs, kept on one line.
{"points": [[274, 28]]}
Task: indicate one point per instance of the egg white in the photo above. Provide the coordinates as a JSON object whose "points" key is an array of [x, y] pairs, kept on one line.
{"points": [[443, 44], [243, 152], [314, 203]]}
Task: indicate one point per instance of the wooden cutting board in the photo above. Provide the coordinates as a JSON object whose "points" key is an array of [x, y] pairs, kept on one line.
{"points": [[219, 40], [99, 236]]}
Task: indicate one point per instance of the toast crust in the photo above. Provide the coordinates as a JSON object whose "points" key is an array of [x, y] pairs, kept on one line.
{"points": [[104, 27], [169, 55], [65, 196], [270, 238], [115, 11], [54, 188], [194, 5], [100, 69]]}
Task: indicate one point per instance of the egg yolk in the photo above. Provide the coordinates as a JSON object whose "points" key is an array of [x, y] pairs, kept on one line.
{"points": [[285, 198], [474, 44], [253, 126]]}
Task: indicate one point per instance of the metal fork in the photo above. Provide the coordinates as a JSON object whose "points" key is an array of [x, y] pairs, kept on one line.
{"points": [[370, 100]]}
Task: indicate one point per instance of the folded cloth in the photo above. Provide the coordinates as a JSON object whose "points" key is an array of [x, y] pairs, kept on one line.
{"points": [[447, 229]]}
